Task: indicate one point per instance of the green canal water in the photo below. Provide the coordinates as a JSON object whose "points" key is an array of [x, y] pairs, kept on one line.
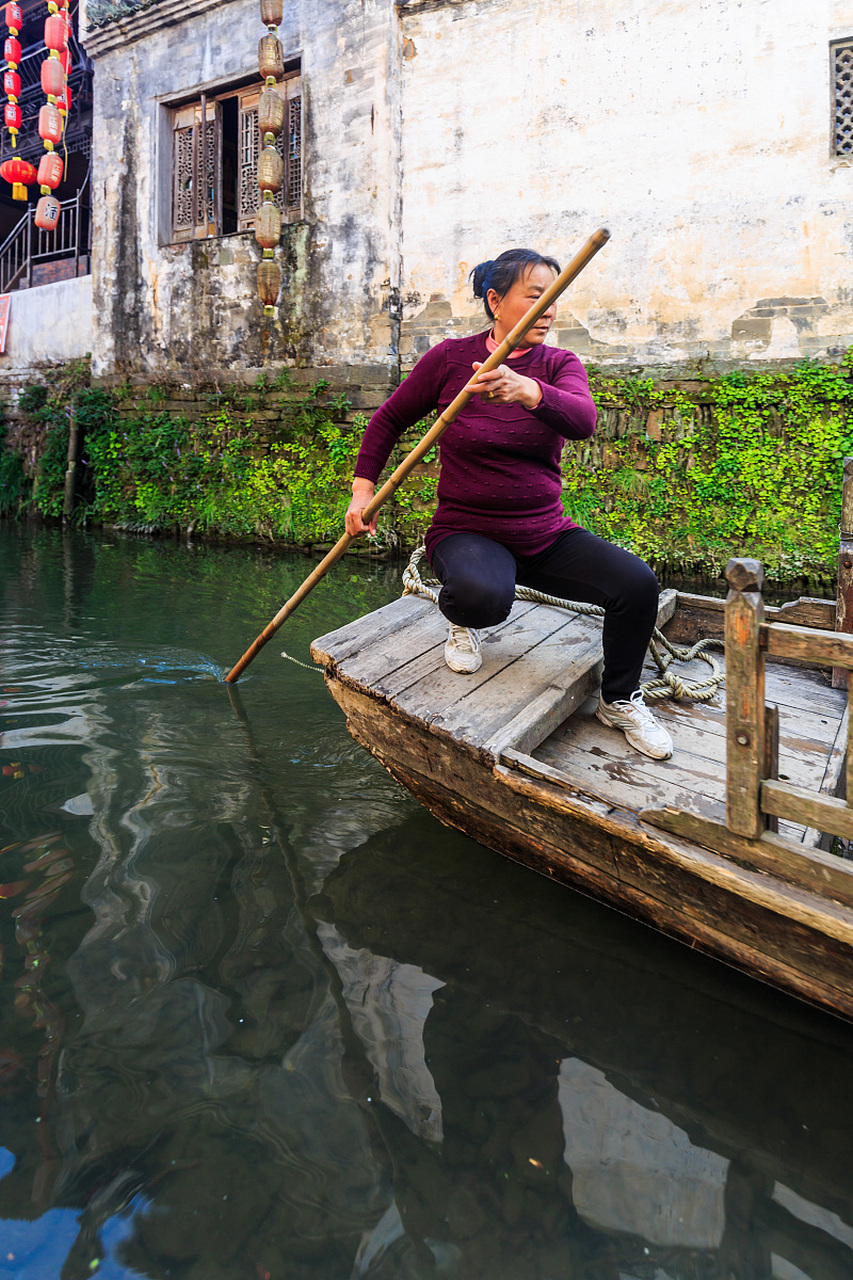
{"points": [[262, 1018]]}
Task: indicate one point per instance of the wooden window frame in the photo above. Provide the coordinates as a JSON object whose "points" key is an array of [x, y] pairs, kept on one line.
{"points": [[196, 209], [842, 100]]}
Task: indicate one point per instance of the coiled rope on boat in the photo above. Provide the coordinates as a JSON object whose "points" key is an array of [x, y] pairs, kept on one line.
{"points": [[667, 685]]}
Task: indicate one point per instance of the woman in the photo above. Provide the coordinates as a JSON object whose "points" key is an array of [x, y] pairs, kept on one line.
{"points": [[499, 518]]}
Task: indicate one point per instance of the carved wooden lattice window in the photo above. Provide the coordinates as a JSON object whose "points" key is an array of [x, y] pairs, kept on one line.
{"points": [[215, 166], [195, 172], [289, 143], [842, 71]]}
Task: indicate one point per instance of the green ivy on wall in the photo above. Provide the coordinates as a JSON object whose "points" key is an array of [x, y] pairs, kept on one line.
{"points": [[749, 464], [685, 473]]}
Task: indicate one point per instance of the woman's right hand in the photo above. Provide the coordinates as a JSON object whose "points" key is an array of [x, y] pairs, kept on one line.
{"points": [[362, 492]]}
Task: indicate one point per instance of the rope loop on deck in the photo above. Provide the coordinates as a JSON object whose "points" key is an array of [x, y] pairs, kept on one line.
{"points": [[667, 685]]}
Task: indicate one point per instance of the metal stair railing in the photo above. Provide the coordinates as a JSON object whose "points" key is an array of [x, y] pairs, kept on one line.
{"points": [[15, 253], [26, 245]]}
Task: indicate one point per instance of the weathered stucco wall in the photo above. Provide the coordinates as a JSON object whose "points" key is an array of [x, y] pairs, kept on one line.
{"points": [[51, 322], [439, 132], [167, 308], [700, 134]]}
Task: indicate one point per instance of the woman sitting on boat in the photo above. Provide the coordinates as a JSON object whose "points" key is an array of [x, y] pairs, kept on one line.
{"points": [[500, 518]]}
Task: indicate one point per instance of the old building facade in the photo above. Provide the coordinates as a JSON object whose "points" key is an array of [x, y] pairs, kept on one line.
{"points": [[714, 139]]}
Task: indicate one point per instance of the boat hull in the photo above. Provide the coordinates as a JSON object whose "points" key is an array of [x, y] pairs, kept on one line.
{"points": [[776, 932]]}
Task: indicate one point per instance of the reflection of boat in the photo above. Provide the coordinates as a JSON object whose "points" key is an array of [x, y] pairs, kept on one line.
{"points": [[721, 846]]}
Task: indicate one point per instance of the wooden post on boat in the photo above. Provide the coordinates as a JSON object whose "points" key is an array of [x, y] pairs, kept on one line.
{"points": [[745, 721], [844, 598]]}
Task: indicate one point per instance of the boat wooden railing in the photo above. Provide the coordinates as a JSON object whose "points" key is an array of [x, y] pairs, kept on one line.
{"points": [[755, 796]]}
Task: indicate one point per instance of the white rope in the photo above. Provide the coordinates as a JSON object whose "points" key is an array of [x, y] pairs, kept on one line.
{"points": [[308, 667], [666, 685]]}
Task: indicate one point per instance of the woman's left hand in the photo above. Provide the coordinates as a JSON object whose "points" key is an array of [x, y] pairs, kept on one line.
{"points": [[504, 386]]}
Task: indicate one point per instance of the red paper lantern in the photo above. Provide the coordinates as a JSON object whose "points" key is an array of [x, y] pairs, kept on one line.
{"points": [[14, 18], [56, 32], [12, 84], [63, 101], [50, 171], [12, 52], [66, 61], [52, 77], [20, 173], [47, 213], [50, 124], [12, 117]]}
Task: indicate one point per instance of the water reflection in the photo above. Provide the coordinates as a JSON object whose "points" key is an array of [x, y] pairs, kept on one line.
{"points": [[261, 1017]]}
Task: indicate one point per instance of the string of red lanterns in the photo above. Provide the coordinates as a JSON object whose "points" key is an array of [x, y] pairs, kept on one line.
{"points": [[55, 70], [11, 79], [19, 172], [54, 82], [270, 163]]}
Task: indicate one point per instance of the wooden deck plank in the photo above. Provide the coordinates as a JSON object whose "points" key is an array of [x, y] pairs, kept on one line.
{"points": [[362, 633], [428, 679], [565, 655], [594, 757], [694, 735], [528, 626], [801, 722], [377, 662]]}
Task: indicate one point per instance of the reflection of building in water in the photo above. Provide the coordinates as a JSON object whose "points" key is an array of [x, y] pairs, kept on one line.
{"points": [[389, 1003], [633, 1170]]}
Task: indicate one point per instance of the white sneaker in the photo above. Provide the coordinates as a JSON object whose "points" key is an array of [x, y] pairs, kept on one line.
{"points": [[638, 724], [462, 651]]}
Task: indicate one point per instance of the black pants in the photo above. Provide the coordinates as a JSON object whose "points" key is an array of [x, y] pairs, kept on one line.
{"points": [[478, 579]]}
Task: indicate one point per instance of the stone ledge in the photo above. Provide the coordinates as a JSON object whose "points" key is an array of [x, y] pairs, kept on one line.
{"points": [[112, 29]]}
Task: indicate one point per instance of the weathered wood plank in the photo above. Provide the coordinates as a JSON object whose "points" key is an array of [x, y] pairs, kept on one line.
{"points": [[667, 605], [600, 761], [545, 713], [825, 813], [771, 753], [823, 648], [832, 782], [363, 632], [744, 697], [427, 674], [583, 741], [518, 662], [805, 611], [848, 769], [811, 869], [802, 730], [381, 657]]}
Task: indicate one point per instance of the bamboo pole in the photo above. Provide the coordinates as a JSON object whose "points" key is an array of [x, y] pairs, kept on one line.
{"points": [[392, 484]]}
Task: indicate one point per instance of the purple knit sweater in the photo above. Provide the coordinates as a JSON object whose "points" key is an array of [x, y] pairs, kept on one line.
{"points": [[500, 464]]}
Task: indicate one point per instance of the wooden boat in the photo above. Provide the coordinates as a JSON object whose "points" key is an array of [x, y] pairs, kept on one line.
{"points": [[727, 846]]}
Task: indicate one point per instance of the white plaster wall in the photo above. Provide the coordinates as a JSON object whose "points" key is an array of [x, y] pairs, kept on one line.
{"points": [[49, 322], [699, 133]]}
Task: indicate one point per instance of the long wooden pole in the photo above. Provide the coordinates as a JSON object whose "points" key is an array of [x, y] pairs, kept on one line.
{"points": [[392, 484]]}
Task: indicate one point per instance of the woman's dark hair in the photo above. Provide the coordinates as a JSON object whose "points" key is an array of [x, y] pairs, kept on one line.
{"points": [[502, 273]]}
